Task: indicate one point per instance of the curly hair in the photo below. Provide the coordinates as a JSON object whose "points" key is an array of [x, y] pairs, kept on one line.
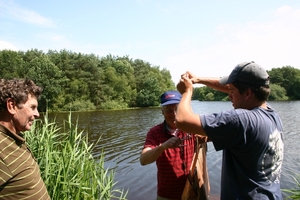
{"points": [[261, 92], [18, 90]]}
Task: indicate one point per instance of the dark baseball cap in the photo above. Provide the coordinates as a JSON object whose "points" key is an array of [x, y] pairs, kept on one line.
{"points": [[170, 97], [247, 72]]}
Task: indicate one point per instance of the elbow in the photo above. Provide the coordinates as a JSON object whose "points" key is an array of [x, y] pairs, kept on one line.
{"points": [[179, 123], [142, 161]]}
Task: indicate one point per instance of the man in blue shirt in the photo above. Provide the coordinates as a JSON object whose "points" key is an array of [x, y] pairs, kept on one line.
{"points": [[250, 135]]}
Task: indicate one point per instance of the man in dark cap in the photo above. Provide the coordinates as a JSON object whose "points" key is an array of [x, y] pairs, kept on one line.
{"points": [[250, 135], [172, 150]]}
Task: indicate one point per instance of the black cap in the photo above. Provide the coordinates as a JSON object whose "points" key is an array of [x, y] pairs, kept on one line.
{"points": [[247, 72]]}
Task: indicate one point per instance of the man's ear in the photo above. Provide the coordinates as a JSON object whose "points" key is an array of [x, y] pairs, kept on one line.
{"points": [[248, 93], [11, 106], [162, 110]]}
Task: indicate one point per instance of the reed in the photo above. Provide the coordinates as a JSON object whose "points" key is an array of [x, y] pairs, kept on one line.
{"points": [[67, 165], [294, 194]]}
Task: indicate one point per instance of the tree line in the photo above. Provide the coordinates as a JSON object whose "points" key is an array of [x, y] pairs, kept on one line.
{"points": [[284, 84], [79, 82]]}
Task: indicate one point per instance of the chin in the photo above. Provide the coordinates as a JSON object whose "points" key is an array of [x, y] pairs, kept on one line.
{"points": [[27, 128]]}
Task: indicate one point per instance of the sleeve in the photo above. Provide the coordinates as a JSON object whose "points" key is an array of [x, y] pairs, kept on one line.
{"points": [[152, 138], [223, 129], [5, 173]]}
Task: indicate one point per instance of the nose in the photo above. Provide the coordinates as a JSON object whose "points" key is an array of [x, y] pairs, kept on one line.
{"points": [[173, 111], [36, 113]]}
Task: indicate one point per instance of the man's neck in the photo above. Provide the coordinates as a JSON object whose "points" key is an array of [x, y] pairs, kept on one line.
{"points": [[8, 126]]}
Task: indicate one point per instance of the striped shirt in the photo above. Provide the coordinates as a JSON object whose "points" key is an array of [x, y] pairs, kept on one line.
{"points": [[173, 164], [19, 172]]}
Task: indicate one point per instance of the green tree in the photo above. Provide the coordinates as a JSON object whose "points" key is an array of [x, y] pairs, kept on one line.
{"points": [[278, 93], [288, 78], [145, 75], [32, 54], [208, 94], [199, 93], [45, 74], [83, 76], [11, 64], [149, 95], [126, 88], [87, 81]]}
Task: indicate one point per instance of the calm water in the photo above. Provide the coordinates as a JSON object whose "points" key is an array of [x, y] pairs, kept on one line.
{"points": [[122, 135]]}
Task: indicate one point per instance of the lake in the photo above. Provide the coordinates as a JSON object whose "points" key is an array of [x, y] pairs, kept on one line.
{"points": [[122, 135]]}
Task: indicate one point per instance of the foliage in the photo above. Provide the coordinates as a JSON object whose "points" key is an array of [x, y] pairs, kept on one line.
{"points": [[208, 94], [70, 78], [109, 105], [79, 105], [44, 73], [285, 85], [278, 93], [149, 97], [294, 193], [288, 78], [111, 82], [67, 166], [11, 64]]}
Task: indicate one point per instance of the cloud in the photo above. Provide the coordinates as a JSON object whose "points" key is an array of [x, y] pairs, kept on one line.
{"points": [[9, 9], [7, 46], [274, 43]]}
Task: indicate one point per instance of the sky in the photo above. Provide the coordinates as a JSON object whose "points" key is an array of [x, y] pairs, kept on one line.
{"points": [[208, 38]]}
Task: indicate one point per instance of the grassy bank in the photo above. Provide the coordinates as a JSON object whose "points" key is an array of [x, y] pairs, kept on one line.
{"points": [[67, 164]]}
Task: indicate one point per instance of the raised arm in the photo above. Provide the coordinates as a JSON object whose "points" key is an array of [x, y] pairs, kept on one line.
{"points": [[186, 119], [211, 82]]}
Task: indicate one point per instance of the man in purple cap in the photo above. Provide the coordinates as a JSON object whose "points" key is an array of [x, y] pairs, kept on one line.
{"points": [[250, 135], [171, 149]]}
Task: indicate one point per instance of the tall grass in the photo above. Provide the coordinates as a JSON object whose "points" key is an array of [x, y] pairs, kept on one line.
{"points": [[67, 165], [294, 193]]}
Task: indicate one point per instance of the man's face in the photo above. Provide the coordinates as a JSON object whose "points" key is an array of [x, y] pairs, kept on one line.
{"points": [[169, 112], [236, 97], [25, 114]]}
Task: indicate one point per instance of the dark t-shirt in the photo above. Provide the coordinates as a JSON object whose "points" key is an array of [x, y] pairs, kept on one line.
{"points": [[252, 144]]}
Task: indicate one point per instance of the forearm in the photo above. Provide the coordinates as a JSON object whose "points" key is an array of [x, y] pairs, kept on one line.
{"points": [[186, 119], [184, 107], [212, 83], [151, 155]]}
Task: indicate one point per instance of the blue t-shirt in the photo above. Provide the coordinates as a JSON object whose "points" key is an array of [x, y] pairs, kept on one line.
{"points": [[252, 144]]}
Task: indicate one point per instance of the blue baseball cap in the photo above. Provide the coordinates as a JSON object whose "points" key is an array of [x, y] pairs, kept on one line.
{"points": [[170, 97]]}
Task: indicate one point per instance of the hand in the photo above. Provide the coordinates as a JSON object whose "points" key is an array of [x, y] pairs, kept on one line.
{"points": [[173, 142], [202, 139], [185, 83], [193, 77]]}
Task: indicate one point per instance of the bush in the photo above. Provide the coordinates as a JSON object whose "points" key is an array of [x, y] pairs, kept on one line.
{"points": [[67, 166], [79, 105], [278, 93], [113, 105]]}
